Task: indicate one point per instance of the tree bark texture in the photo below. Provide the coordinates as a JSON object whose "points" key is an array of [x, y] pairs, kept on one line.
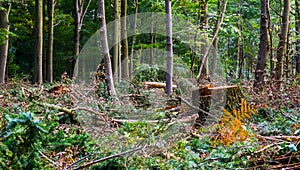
{"points": [[281, 48], [38, 59], [49, 67], [263, 45], [115, 58], [4, 24], [169, 71], [124, 42], [105, 49]]}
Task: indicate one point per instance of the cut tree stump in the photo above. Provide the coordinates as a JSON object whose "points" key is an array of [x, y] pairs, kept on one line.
{"points": [[213, 100]]}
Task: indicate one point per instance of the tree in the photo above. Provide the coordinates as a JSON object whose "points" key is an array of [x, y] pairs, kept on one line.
{"points": [[105, 49], [281, 48], [80, 12], [38, 59], [215, 42], [263, 45], [136, 3], [4, 28], [49, 67], [124, 42], [116, 47], [297, 18], [169, 71]]}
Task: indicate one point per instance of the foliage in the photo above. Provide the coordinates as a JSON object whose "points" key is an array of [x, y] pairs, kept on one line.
{"points": [[232, 125]]}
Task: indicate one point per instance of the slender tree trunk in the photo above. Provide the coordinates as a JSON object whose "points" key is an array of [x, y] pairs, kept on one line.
{"points": [[105, 49], [124, 41], [136, 2], [203, 27], [80, 12], [263, 46], [115, 58], [44, 43], [152, 41], [297, 18], [281, 49], [239, 57], [215, 42], [77, 29], [4, 24], [38, 60], [51, 5], [169, 72]]}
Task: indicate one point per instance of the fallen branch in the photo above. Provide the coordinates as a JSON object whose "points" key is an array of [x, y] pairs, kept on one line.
{"points": [[52, 106], [110, 157], [156, 85]]}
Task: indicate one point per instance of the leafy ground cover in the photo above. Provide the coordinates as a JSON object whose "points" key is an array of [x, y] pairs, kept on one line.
{"points": [[68, 126]]}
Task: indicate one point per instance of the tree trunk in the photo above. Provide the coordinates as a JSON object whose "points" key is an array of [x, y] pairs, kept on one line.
{"points": [[215, 42], [169, 71], [105, 49], [136, 2], [152, 40], [281, 49], [38, 60], [263, 46], [297, 18], [4, 24], [51, 5], [124, 42], [239, 56], [115, 58], [79, 16], [77, 29]]}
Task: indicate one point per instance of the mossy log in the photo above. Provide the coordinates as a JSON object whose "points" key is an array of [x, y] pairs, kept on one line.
{"points": [[214, 99]]}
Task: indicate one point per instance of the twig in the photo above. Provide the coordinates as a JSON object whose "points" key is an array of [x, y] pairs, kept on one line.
{"points": [[194, 107], [110, 157], [43, 155], [71, 165]]}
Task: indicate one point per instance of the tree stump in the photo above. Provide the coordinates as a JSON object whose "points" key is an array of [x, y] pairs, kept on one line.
{"points": [[213, 100]]}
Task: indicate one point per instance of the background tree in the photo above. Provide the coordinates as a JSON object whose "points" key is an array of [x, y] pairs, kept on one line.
{"points": [[281, 48], [105, 49], [263, 45], [297, 19], [80, 13], [49, 67], [38, 59], [169, 39], [4, 30], [124, 42], [116, 47]]}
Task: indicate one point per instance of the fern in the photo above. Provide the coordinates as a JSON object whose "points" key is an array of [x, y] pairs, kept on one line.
{"points": [[232, 125]]}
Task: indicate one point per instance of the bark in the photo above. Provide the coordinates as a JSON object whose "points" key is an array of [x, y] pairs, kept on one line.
{"points": [[169, 71], [203, 27], [215, 42], [239, 56], [152, 41], [80, 12], [124, 42], [4, 24], [115, 58], [49, 75], [297, 18], [105, 49], [136, 2], [281, 48], [38, 60], [263, 46]]}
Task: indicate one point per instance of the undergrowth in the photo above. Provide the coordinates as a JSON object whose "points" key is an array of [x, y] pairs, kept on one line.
{"points": [[36, 136]]}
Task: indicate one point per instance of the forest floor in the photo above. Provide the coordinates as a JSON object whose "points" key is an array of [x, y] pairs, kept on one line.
{"points": [[75, 126]]}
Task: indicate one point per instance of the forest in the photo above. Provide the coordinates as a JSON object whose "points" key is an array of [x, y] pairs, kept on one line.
{"points": [[149, 84]]}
